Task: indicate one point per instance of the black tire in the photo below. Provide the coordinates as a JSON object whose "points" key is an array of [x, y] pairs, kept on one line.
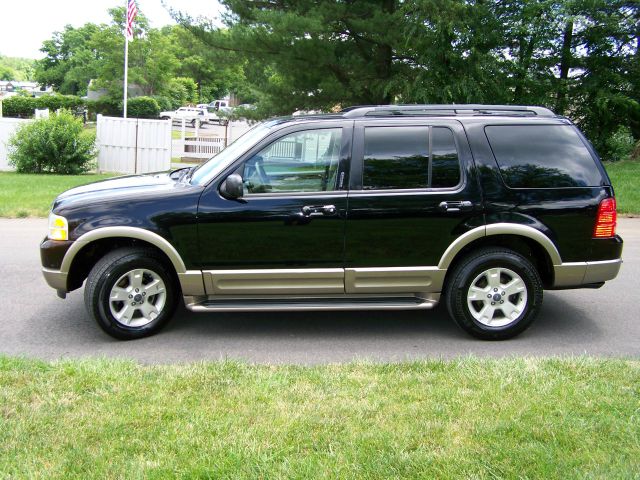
{"points": [[473, 266], [108, 271]]}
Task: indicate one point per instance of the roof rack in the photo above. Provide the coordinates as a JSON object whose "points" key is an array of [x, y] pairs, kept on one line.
{"points": [[444, 110]]}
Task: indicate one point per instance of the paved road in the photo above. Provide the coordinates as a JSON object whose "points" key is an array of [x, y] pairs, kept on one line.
{"points": [[34, 322]]}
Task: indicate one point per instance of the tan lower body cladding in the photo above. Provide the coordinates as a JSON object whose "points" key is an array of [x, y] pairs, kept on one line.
{"points": [[323, 281]]}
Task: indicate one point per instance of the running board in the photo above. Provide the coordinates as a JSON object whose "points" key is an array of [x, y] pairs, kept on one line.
{"points": [[212, 304]]}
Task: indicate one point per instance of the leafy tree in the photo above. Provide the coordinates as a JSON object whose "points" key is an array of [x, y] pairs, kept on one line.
{"points": [[315, 54], [70, 61], [16, 68], [7, 73]]}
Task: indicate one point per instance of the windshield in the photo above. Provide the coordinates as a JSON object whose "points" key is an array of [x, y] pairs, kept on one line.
{"points": [[207, 171]]}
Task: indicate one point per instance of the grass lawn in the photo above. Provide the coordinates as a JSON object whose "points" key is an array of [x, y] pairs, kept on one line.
{"points": [[625, 177], [27, 195], [177, 134], [469, 418]]}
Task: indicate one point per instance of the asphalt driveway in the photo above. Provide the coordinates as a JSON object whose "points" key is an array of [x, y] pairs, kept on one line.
{"points": [[35, 322]]}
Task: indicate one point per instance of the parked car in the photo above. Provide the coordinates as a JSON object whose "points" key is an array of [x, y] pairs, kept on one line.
{"points": [[213, 115], [221, 106], [388, 207], [193, 115]]}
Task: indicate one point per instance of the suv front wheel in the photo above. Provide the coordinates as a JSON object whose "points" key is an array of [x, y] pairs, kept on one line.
{"points": [[494, 294], [131, 293]]}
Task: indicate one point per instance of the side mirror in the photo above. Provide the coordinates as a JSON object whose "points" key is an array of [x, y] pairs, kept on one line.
{"points": [[232, 187]]}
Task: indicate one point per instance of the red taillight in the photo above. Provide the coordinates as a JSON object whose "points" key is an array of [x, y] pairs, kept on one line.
{"points": [[606, 221]]}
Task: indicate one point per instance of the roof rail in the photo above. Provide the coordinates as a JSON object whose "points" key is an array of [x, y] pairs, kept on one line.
{"points": [[444, 110]]}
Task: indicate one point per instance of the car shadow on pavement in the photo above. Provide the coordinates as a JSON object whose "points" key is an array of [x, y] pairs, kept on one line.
{"points": [[562, 324]]}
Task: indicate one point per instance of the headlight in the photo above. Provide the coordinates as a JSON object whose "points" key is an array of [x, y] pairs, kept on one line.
{"points": [[58, 227]]}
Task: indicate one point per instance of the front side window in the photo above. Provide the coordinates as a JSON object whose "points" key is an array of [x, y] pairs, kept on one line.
{"points": [[409, 158], [304, 161]]}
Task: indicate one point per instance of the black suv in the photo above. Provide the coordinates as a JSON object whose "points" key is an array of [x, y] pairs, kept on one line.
{"points": [[382, 207]]}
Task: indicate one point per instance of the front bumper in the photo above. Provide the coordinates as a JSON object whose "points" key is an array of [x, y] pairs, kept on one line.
{"points": [[577, 274], [55, 279], [52, 253]]}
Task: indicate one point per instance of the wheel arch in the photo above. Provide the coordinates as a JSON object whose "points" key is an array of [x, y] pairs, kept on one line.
{"points": [[93, 245], [525, 240]]}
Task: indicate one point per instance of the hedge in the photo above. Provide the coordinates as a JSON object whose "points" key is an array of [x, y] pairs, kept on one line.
{"points": [[24, 107], [143, 107]]}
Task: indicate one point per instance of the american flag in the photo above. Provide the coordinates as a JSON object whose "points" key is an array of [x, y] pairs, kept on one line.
{"points": [[132, 11]]}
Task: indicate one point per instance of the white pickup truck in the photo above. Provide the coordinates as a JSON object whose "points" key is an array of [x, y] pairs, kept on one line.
{"points": [[196, 116]]}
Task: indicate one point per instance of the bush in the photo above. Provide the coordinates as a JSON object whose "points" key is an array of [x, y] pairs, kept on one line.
{"points": [[635, 155], [19, 107], [619, 145], [24, 107], [143, 107], [105, 106], [163, 102], [58, 144]]}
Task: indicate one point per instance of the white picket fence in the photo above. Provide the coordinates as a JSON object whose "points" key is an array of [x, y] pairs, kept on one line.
{"points": [[130, 145], [8, 126], [201, 147]]}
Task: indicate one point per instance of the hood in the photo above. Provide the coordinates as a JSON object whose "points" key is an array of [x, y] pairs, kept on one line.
{"points": [[127, 188]]}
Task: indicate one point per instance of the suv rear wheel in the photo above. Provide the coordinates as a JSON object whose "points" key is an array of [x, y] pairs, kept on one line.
{"points": [[131, 293], [494, 294]]}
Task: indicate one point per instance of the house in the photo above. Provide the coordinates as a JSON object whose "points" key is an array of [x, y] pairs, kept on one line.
{"points": [[11, 87]]}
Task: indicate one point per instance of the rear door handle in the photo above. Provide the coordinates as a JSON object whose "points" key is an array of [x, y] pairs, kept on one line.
{"points": [[318, 210], [456, 206]]}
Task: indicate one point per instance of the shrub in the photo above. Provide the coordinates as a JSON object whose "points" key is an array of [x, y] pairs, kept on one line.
{"points": [[24, 107], [58, 144], [19, 107], [105, 106], [163, 102], [143, 107], [635, 155], [57, 102], [619, 145]]}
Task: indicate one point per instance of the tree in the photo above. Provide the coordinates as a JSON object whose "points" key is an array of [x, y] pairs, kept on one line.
{"points": [[307, 54], [71, 60], [16, 68]]}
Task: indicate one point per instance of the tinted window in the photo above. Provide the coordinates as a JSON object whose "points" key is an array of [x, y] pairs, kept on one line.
{"points": [[445, 171], [398, 158], [300, 162], [542, 156]]}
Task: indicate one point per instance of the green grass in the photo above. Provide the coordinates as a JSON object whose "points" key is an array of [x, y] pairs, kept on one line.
{"points": [[30, 195], [469, 418], [625, 177], [177, 134]]}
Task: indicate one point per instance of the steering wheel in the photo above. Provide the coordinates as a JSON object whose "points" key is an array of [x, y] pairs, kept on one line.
{"points": [[255, 164], [262, 174]]}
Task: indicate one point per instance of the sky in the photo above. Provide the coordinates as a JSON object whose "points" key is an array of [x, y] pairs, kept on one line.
{"points": [[24, 26]]}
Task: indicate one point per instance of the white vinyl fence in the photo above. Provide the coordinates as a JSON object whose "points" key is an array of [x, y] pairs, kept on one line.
{"points": [[8, 127], [130, 145]]}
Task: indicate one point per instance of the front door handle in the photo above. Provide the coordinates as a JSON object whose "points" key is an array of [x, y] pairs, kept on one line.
{"points": [[456, 206], [318, 210]]}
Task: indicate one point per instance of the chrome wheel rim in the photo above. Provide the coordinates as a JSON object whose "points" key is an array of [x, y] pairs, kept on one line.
{"points": [[497, 297], [137, 298]]}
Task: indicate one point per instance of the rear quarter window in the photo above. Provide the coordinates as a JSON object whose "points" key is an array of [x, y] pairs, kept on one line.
{"points": [[542, 156]]}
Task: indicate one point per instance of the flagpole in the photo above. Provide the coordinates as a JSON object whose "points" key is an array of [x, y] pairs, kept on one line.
{"points": [[126, 60]]}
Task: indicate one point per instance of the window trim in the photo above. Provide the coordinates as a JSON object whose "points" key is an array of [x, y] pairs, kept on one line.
{"points": [[238, 164], [583, 140], [241, 167], [357, 168]]}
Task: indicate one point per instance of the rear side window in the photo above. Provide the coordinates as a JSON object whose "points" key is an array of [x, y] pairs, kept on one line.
{"points": [[406, 158], [542, 156]]}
